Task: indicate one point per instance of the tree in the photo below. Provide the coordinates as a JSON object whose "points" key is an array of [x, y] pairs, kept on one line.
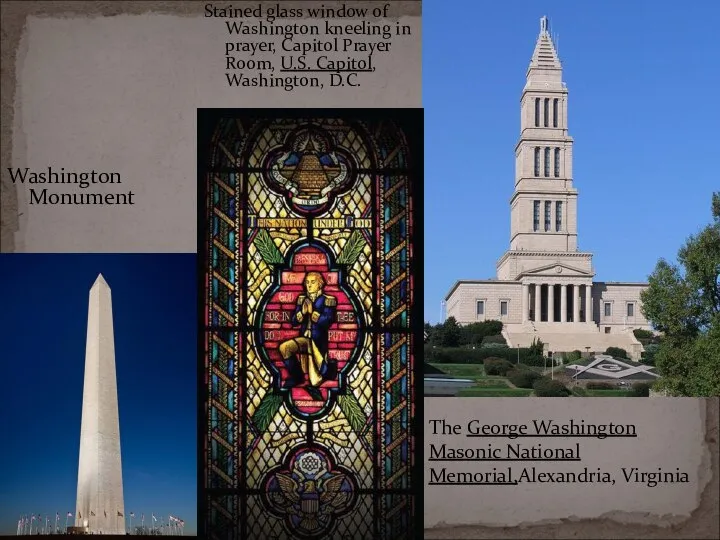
{"points": [[449, 333], [683, 302]]}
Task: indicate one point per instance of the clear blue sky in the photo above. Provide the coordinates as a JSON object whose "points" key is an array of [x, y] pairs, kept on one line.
{"points": [[43, 324], [643, 80]]}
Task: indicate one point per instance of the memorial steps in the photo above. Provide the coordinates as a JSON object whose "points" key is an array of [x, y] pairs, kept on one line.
{"points": [[569, 337]]}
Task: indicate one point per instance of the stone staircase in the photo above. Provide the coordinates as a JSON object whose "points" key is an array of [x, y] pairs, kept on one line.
{"points": [[571, 336]]}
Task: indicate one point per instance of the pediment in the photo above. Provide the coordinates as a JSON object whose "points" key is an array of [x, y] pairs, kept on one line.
{"points": [[555, 270]]}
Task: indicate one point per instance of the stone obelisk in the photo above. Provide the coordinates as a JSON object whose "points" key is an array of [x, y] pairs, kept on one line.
{"points": [[100, 505]]}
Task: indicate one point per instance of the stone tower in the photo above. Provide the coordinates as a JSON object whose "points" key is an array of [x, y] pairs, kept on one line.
{"points": [[100, 506], [543, 252], [545, 287]]}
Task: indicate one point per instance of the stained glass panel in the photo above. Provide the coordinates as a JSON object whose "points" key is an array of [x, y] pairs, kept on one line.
{"points": [[307, 242]]}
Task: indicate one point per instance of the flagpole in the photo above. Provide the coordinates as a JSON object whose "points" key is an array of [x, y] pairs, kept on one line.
{"points": [[66, 519], [57, 516], [131, 516], [46, 522]]}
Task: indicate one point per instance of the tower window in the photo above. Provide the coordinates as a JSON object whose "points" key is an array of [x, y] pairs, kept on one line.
{"points": [[536, 215], [555, 113], [537, 161], [548, 206], [480, 307], [547, 162], [557, 162], [537, 112], [558, 216], [547, 111], [503, 308], [608, 309], [631, 310]]}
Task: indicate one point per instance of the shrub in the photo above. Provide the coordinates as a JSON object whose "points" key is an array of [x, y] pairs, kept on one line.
{"points": [[536, 361], [497, 366], [641, 334], [616, 352], [523, 378], [600, 386], [648, 355], [574, 356], [497, 338], [544, 387], [494, 345], [640, 390], [536, 347], [474, 333], [457, 355]]}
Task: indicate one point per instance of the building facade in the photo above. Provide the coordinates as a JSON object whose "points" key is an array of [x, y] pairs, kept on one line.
{"points": [[544, 287]]}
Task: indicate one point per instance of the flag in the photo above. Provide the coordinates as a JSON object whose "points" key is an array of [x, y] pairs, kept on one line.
{"points": [[154, 518], [120, 514], [32, 518], [69, 514], [57, 515], [132, 514]]}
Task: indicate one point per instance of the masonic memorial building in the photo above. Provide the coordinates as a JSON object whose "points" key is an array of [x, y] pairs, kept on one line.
{"points": [[544, 287]]}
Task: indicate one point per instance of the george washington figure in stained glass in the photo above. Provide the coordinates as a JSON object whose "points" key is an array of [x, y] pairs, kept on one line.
{"points": [[308, 316]]}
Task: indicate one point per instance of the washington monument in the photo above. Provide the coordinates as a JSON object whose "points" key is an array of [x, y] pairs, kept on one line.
{"points": [[100, 507]]}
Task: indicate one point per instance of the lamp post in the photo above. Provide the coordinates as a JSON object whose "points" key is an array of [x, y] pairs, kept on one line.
{"points": [[587, 351]]}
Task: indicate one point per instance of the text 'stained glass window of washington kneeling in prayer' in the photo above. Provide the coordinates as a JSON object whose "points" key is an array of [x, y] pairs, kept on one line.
{"points": [[308, 314]]}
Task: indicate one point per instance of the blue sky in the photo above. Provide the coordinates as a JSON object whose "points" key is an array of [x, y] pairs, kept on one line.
{"points": [[43, 326], [642, 79]]}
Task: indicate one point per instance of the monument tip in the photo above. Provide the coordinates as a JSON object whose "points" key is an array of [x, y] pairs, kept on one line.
{"points": [[100, 281]]}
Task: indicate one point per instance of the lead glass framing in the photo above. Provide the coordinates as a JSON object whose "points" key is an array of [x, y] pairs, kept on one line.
{"points": [[283, 457]]}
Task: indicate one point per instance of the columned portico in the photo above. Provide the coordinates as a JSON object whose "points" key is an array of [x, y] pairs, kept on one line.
{"points": [[588, 304], [575, 302]]}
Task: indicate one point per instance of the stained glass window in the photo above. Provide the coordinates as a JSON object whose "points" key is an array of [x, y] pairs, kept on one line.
{"points": [[308, 315]]}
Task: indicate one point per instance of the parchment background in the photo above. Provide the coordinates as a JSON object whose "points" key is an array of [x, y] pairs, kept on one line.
{"points": [[114, 86], [704, 522]]}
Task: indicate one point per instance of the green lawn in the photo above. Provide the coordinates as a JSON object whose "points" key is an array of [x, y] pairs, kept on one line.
{"points": [[583, 392], [494, 392], [494, 386], [467, 371], [492, 383]]}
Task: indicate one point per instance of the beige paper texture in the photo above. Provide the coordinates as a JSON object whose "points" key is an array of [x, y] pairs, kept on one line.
{"points": [[114, 86], [671, 433]]}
